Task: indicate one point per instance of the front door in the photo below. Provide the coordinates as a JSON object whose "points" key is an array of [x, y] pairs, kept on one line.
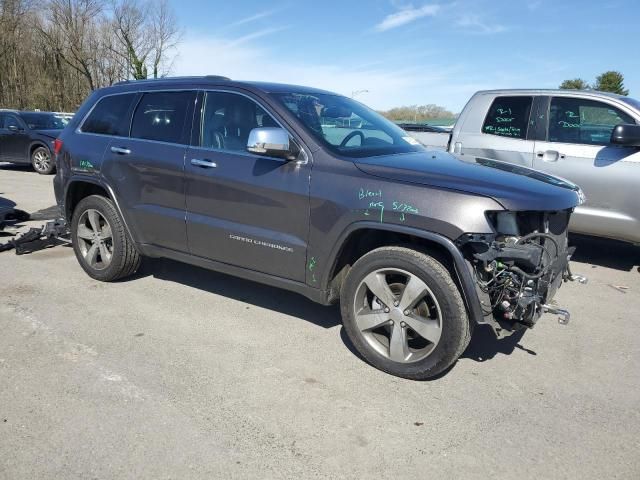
{"points": [[578, 148], [244, 209]]}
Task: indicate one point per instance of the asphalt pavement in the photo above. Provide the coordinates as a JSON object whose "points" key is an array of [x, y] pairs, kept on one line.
{"points": [[185, 373]]}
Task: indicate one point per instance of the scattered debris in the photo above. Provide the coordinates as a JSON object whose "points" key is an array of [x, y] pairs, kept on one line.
{"points": [[37, 238], [620, 288]]}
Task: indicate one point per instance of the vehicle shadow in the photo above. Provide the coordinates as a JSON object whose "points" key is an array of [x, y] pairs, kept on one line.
{"points": [[17, 167], [242, 290], [484, 344], [604, 253]]}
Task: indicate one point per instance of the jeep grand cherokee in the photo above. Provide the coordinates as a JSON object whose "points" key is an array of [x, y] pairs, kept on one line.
{"points": [[314, 192]]}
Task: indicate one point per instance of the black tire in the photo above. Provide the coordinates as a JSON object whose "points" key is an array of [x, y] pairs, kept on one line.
{"points": [[455, 331], [41, 161], [125, 259]]}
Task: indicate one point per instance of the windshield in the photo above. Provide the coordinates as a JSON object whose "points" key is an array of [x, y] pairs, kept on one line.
{"points": [[347, 127], [43, 121]]}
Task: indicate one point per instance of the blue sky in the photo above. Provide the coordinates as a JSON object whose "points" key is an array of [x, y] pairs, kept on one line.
{"points": [[411, 52]]}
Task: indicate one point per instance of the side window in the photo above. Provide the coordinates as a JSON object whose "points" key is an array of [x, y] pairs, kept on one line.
{"points": [[576, 120], [7, 120], [161, 116], [109, 116], [227, 119], [508, 117]]}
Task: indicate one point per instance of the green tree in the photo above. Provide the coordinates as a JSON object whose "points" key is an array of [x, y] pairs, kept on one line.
{"points": [[574, 84], [611, 81]]}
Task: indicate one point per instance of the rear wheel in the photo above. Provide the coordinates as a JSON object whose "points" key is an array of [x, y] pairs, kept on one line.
{"points": [[404, 313], [41, 161], [101, 243]]}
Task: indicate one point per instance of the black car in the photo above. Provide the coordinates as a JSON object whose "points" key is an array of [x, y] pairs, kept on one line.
{"points": [[27, 137], [315, 193]]}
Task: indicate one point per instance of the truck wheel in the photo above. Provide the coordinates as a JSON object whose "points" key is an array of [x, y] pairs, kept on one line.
{"points": [[404, 313], [101, 243], [41, 161]]}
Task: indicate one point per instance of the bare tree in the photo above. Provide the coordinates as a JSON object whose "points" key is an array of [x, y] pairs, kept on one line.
{"points": [[130, 25], [54, 52], [165, 35]]}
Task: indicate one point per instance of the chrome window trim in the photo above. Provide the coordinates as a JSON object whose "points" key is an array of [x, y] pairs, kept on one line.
{"points": [[303, 149]]}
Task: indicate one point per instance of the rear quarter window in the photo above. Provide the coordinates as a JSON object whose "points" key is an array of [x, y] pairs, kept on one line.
{"points": [[110, 116], [508, 117]]}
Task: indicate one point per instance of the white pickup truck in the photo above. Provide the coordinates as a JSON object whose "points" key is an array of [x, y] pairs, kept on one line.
{"points": [[590, 138]]}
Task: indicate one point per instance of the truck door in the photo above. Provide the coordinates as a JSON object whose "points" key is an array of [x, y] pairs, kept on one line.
{"points": [[503, 134], [577, 147]]}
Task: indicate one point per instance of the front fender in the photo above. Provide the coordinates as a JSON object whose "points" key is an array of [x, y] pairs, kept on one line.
{"points": [[462, 270]]}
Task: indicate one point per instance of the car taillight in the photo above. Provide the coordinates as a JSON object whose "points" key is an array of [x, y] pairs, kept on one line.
{"points": [[57, 146]]}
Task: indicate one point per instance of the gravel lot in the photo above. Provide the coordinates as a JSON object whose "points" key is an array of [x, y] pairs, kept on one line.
{"points": [[185, 373]]}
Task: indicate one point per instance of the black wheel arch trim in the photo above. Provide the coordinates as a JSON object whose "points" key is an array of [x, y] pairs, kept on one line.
{"points": [[462, 270], [35, 144], [80, 178]]}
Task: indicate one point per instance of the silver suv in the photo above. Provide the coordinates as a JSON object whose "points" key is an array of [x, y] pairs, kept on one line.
{"points": [[591, 138]]}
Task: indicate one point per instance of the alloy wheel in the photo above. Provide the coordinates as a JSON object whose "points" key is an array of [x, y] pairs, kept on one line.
{"points": [[42, 160], [95, 239], [398, 315]]}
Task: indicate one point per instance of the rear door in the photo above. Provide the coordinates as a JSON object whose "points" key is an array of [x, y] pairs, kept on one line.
{"points": [[503, 134], [110, 117], [577, 147], [244, 209], [147, 168]]}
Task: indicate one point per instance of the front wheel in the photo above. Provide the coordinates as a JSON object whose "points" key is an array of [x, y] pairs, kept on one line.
{"points": [[404, 313], [41, 161]]}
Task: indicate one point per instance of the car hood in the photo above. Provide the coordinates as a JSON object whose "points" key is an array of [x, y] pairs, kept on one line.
{"points": [[51, 133], [513, 186]]}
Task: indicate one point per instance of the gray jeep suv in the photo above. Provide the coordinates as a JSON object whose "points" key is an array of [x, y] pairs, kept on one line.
{"points": [[316, 193]]}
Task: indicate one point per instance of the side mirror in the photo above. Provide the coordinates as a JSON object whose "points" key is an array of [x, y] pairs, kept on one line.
{"points": [[14, 128], [626, 134], [270, 141]]}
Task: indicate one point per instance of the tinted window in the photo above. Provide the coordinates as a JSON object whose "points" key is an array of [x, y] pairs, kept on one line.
{"points": [[161, 116], [37, 121], [228, 118], [8, 120], [347, 127], [508, 117], [576, 120], [110, 116]]}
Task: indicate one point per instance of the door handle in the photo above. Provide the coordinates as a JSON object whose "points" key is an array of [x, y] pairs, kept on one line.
{"points": [[120, 150], [203, 163], [549, 156]]}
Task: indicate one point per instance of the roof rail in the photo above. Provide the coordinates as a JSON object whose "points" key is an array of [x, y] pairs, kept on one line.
{"points": [[206, 77]]}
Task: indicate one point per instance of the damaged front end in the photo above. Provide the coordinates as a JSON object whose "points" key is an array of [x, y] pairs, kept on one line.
{"points": [[519, 268]]}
